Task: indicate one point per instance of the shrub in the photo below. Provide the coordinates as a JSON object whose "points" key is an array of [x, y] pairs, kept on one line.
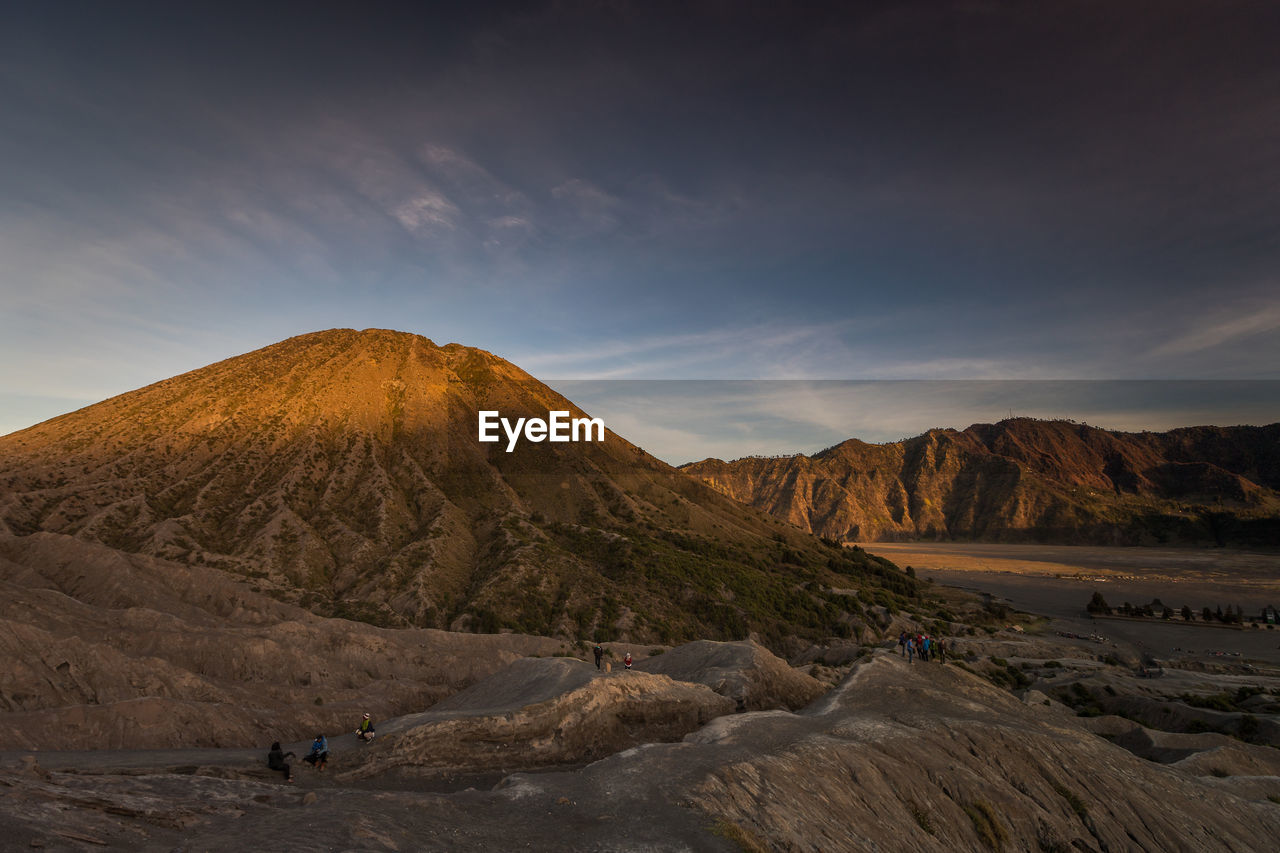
{"points": [[746, 840], [1215, 702], [1077, 804], [920, 816], [985, 823]]}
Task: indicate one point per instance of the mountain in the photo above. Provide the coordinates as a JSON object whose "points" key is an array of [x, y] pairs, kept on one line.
{"points": [[1026, 480], [340, 471]]}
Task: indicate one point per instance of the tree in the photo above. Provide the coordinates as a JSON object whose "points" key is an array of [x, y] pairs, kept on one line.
{"points": [[1167, 613], [1206, 614], [1097, 604], [1187, 615]]}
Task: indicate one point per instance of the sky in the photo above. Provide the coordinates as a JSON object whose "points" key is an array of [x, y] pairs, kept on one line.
{"points": [[620, 191]]}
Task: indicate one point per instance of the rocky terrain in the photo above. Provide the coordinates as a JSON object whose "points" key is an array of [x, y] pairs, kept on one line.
{"points": [[1026, 480], [897, 757], [109, 650], [341, 471]]}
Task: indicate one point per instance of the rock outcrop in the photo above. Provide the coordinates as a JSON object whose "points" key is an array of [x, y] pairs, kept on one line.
{"points": [[540, 712], [744, 671]]}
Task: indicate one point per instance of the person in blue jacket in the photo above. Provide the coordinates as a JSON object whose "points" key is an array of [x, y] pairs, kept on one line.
{"points": [[319, 755]]}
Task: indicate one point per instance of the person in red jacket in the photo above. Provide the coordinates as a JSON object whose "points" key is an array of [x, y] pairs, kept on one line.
{"points": [[626, 661]]}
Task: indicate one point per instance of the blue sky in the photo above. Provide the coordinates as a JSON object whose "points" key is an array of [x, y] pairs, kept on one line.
{"points": [[619, 191]]}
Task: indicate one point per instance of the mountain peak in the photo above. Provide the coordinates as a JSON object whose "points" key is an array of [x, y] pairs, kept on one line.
{"points": [[342, 470]]}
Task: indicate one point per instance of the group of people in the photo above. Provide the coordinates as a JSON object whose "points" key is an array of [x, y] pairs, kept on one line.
{"points": [[598, 651], [318, 757], [923, 646]]}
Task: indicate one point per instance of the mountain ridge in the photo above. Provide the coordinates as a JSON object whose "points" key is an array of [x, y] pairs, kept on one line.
{"points": [[1026, 480]]}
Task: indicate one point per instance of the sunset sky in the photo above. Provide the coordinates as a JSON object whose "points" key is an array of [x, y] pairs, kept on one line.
{"points": [[648, 191]]}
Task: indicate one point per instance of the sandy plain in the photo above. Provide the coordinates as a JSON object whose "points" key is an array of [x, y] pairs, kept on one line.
{"points": [[1057, 581]]}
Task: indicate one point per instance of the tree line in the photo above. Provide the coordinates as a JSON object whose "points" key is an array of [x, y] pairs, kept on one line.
{"points": [[1158, 610]]}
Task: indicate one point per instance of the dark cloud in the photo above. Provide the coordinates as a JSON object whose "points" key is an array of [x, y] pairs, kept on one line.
{"points": [[892, 189]]}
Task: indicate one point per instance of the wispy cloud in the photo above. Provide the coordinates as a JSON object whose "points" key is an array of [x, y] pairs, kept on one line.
{"points": [[591, 209], [1225, 328], [426, 212], [684, 421], [760, 350]]}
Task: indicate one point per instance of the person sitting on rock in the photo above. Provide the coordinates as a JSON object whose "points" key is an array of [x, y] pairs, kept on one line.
{"points": [[319, 755], [626, 661], [276, 761], [599, 653], [365, 732]]}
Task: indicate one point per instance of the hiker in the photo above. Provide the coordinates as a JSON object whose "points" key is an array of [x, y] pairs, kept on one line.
{"points": [[319, 755], [276, 761], [924, 649], [902, 643], [911, 649], [599, 653], [365, 732], [942, 650], [626, 661]]}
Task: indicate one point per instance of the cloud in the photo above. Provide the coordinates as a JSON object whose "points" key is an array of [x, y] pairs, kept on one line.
{"points": [[592, 209], [426, 213], [1240, 325], [736, 350]]}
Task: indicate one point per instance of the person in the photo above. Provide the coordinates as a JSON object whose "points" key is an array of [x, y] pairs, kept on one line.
{"points": [[942, 650], [365, 732], [319, 755], [902, 643], [276, 761], [911, 649], [626, 661], [599, 653]]}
